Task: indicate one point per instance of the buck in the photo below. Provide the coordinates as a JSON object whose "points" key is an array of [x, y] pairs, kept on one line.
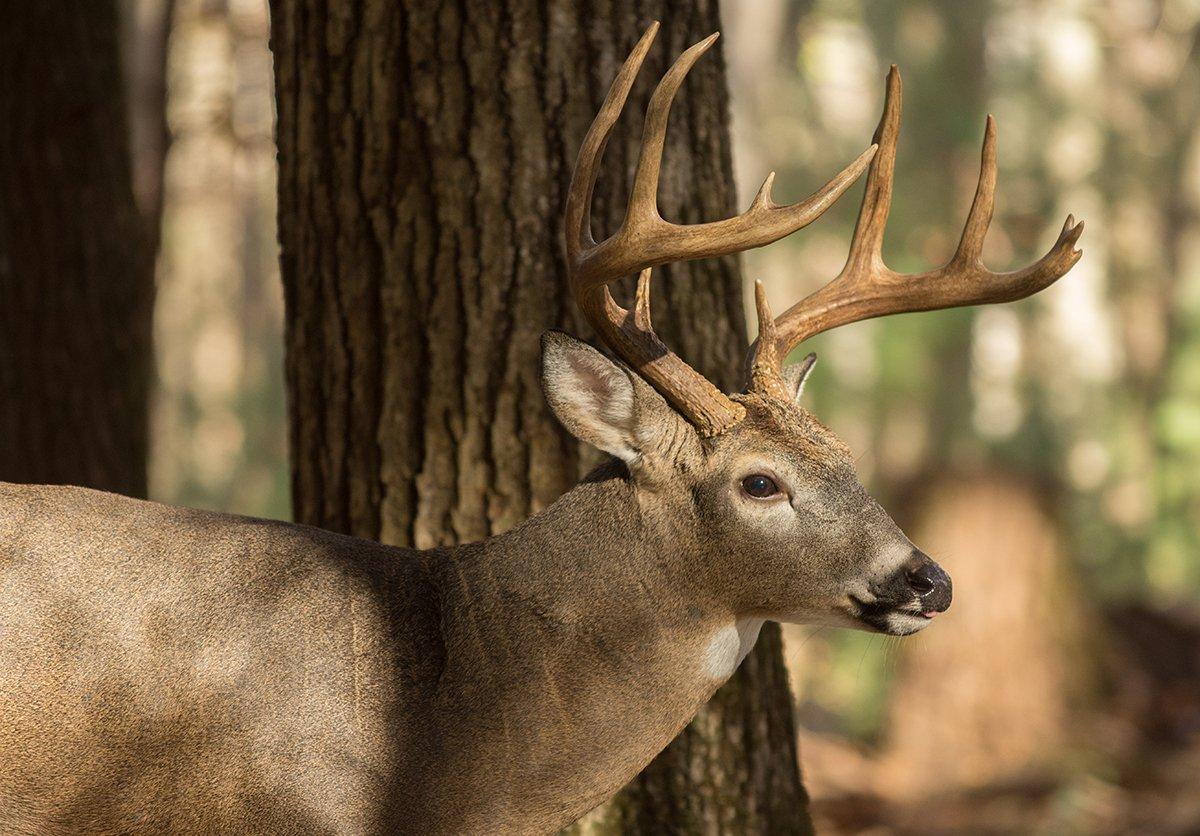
{"points": [[173, 670]]}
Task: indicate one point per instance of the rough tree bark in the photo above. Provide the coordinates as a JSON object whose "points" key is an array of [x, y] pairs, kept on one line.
{"points": [[425, 151], [76, 270]]}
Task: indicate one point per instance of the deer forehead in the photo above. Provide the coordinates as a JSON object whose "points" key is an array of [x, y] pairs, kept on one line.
{"points": [[788, 432]]}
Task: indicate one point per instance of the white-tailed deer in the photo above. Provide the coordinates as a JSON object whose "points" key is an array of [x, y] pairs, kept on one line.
{"points": [[172, 670]]}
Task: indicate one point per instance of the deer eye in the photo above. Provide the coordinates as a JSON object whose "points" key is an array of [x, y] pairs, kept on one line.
{"points": [[759, 486]]}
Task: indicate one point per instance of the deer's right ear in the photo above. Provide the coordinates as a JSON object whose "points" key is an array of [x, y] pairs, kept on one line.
{"points": [[795, 375], [591, 395]]}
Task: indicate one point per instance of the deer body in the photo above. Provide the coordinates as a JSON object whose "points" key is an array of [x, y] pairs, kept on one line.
{"points": [[170, 669], [163, 669]]}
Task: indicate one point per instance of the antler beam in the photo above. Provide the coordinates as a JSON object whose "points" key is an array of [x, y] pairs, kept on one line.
{"points": [[867, 288]]}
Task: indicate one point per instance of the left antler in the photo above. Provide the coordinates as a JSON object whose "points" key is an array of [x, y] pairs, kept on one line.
{"points": [[645, 240], [866, 287]]}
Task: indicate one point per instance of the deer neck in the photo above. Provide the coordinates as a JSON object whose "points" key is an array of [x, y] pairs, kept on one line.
{"points": [[576, 649]]}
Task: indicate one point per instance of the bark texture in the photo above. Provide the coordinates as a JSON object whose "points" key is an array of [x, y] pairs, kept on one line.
{"points": [[425, 153], [76, 269]]}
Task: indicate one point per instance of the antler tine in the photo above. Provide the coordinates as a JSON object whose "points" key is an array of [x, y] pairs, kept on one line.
{"points": [[970, 245], [645, 240], [766, 363], [641, 306], [866, 245], [587, 167], [866, 287], [643, 198]]}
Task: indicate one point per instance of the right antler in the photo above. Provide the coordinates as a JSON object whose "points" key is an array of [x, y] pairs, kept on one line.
{"points": [[645, 240], [868, 288]]}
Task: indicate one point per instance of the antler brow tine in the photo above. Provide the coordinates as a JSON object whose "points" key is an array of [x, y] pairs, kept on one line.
{"points": [[645, 240], [866, 287]]}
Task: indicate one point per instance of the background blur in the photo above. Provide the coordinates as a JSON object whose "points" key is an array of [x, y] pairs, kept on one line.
{"points": [[1047, 452]]}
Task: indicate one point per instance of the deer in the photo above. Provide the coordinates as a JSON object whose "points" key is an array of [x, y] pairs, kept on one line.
{"points": [[166, 669]]}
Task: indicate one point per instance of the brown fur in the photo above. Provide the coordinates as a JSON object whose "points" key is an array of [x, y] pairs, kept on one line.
{"points": [[173, 670]]}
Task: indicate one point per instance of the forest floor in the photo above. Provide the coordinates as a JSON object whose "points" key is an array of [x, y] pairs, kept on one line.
{"points": [[1134, 767]]}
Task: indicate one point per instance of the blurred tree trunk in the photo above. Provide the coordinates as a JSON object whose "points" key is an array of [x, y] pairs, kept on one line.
{"points": [[986, 693], [145, 32], [425, 152], [76, 273]]}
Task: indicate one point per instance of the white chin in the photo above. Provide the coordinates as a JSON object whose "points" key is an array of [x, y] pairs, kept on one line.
{"points": [[904, 624], [894, 623]]}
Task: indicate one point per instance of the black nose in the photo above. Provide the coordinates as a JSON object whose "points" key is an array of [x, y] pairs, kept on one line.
{"points": [[929, 582]]}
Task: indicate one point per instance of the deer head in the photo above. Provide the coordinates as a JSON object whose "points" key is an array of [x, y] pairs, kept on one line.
{"points": [[759, 497]]}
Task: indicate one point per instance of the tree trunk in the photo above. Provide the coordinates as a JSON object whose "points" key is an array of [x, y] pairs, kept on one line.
{"points": [[425, 153], [76, 274], [987, 692], [960, 717]]}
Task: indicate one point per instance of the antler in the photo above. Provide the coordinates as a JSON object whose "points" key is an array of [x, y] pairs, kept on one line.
{"points": [[645, 240], [867, 288]]}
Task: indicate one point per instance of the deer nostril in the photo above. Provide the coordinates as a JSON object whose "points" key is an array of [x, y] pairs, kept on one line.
{"points": [[919, 581], [927, 581]]}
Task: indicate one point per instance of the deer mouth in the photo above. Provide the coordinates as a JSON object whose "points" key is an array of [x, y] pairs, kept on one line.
{"points": [[894, 618]]}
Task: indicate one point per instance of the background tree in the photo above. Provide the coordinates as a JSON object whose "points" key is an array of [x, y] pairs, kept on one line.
{"points": [[1062, 432], [76, 258], [975, 464], [425, 152], [977, 500], [219, 420], [1045, 450]]}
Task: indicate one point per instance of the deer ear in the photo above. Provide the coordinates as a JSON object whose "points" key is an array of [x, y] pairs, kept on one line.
{"points": [[795, 375], [591, 395], [601, 402]]}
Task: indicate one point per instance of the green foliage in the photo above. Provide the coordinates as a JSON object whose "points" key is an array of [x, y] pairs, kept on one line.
{"points": [[1092, 388]]}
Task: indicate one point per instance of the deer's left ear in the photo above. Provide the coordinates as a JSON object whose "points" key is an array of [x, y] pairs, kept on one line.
{"points": [[604, 403], [795, 375]]}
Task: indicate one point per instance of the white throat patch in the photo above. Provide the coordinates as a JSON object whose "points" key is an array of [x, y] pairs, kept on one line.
{"points": [[729, 646]]}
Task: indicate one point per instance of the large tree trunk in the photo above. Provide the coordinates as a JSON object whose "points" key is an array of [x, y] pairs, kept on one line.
{"points": [[425, 152], [76, 272]]}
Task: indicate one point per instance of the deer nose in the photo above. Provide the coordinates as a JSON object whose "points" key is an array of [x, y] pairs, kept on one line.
{"points": [[929, 582]]}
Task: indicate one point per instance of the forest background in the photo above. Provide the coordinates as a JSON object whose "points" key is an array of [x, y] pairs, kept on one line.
{"points": [[1047, 452]]}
